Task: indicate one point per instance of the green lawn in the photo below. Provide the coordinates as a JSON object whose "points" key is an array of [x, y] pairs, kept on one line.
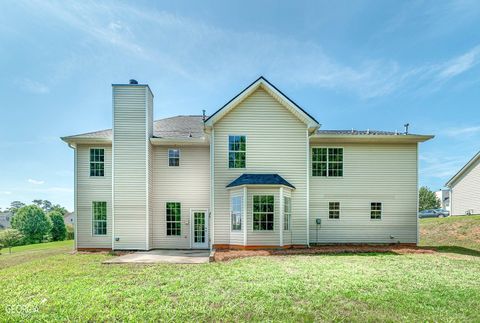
{"points": [[363, 287]]}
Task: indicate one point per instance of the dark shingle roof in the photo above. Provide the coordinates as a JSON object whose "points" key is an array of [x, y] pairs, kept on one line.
{"points": [[260, 179], [174, 127], [358, 132]]}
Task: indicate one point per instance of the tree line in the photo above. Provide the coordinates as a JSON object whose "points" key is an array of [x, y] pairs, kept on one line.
{"points": [[38, 222]]}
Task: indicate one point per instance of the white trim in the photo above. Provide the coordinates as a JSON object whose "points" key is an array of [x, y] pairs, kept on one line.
{"points": [[212, 187], [231, 196], [327, 147], [113, 168], [147, 173], [281, 98], [451, 182], [308, 191], [192, 228], [264, 194], [168, 157], [382, 204], [245, 228], [282, 212], [228, 151], [346, 138]]}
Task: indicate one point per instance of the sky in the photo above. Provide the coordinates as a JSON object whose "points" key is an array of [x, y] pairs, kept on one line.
{"points": [[351, 64]]}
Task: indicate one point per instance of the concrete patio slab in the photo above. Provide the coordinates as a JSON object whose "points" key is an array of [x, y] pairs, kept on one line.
{"points": [[163, 257]]}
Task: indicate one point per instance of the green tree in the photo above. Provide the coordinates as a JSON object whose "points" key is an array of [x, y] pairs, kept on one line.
{"points": [[10, 238], [61, 209], [32, 222], [58, 231], [46, 205], [15, 206], [427, 199]]}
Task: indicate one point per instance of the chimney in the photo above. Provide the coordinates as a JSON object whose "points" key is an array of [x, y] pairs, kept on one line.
{"points": [[132, 130]]}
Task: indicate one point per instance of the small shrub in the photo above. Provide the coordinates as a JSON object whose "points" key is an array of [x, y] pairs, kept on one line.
{"points": [[70, 232], [10, 238]]}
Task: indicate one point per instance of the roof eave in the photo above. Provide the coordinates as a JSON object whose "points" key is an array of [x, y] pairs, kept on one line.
{"points": [[87, 140], [370, 138], [180, 141], [259, 186]]}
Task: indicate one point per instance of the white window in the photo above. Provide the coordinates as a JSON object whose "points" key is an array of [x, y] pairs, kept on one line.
{"points": [[97, 162], [99, 218], [327, 162], [334, 210], [236, 211], [173, 219], [263, 212], [237, 151], [287, 212], [174, 157], [376, 211]]}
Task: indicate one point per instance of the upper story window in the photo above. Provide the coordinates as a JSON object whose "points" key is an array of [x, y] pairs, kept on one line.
{"points": [[376, 211], [237, 151], [99, 218], [174, 218], [334, 210], [236, 208], [327, 162], [287, 212], [97, 162], [263, 212], [174, 157]]}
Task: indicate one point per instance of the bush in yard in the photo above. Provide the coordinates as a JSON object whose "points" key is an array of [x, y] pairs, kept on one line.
{"points": [[10, 238], [32, 222], [427, 199], [58, 231], [70, 232]]}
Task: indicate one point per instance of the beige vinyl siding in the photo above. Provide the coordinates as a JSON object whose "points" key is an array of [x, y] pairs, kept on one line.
{"points": [[466, 191], [276, 143], [372, 173], [188, 184], [130, 166], [90, 189]]}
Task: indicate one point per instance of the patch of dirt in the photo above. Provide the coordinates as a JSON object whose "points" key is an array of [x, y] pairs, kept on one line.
{"points": [[225, 255]]}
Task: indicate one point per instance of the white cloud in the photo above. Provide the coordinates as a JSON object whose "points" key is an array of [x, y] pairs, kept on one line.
{"points": [[460, 64], [35, 182], [32, 86], [437, 166], [463, 131], [5, 192]]}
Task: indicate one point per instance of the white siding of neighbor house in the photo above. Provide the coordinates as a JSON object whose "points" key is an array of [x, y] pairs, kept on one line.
{"points": [[90, 189], [188, 184], [131, 132], [466, 191], [384, 173], [276, 143]]}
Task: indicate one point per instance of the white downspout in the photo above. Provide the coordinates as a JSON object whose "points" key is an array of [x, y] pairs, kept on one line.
{"points": [[308, 188], [282, 212]]}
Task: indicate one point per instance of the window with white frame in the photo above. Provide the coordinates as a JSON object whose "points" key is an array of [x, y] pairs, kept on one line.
{"points": [[174, 218], [99, 218], [237, 151], [263, 212], [97, 162], [376, 210], [174, 157], [287, 212], [327, 162], [334, 210], [236, 210]]}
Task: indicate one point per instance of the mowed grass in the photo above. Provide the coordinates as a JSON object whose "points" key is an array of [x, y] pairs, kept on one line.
{"points": [[367, 287], [452, 233]]}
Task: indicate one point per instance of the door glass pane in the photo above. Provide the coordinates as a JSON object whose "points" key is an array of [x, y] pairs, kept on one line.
{"points": [[199, 227]]}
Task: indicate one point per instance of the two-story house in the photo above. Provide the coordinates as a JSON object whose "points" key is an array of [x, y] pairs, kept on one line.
{"points": [[258, 172]]}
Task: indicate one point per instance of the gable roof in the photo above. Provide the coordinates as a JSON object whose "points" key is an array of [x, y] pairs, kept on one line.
{"points": [[275, 93], [260, 179], [463, 170]]}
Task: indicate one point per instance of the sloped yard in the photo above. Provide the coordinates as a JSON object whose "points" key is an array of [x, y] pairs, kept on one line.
{"points": [[440, 286]]}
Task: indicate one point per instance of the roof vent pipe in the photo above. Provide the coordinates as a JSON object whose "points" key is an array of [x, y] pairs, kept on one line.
{"points": [[203, 116], [133, 82], [406, 128]]}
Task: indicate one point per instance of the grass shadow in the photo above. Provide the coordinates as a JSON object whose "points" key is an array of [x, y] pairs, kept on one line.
{"points": [[457, 250]]}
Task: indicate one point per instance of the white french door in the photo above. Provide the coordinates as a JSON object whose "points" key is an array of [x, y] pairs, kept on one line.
{"points": [[199, 229]]}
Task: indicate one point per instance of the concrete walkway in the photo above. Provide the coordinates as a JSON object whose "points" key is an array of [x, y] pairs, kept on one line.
{"points": [[163, 257]]}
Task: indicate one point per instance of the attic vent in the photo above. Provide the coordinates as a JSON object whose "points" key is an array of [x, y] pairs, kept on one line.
{"points": [[132, 81]]}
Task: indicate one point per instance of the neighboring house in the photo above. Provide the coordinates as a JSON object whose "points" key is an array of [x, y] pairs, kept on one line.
{"points": [[69, 218], [5, 220], [443, 196], [256, 173], [465, 188]]}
